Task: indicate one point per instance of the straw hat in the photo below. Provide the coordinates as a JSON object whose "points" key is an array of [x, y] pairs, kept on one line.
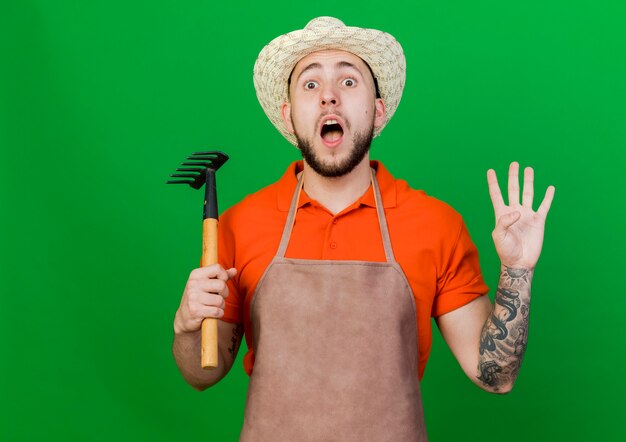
{"points": [[276, 61]]}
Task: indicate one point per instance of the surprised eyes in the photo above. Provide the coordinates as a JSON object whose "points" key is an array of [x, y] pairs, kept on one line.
{"points": [[347, 82]]}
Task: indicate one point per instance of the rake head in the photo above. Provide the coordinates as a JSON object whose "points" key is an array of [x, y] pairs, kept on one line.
{"points": [[198, 167]]}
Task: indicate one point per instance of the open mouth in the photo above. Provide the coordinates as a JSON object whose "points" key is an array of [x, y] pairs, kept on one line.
{"points": [[331, 131]]}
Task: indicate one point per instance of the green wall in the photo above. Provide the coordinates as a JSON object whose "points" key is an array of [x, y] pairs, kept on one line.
{"points": [[100, 100]]}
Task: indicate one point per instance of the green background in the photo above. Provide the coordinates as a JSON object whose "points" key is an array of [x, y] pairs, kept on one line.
{"points": [[99, 102]]}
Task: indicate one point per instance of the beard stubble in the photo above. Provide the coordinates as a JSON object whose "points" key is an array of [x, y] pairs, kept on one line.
{"points": [[361, 145]]}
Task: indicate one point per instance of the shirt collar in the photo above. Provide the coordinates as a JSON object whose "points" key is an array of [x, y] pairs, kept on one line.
{"points": [[287, 186]]}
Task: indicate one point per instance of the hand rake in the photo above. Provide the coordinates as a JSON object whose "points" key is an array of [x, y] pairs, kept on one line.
{"points": [[200, 169]]}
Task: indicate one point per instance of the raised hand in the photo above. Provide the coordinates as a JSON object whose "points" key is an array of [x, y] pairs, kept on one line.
{"points": [[518, 235]]}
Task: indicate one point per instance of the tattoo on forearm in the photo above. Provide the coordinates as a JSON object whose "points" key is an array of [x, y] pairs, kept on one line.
{"points": [[488, 373], [515, 277], [236, 339], [509, 300], [520, 342], [504, 335]]}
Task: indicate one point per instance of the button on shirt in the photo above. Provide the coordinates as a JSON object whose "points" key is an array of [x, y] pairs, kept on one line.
{"points": [[429, 240]]}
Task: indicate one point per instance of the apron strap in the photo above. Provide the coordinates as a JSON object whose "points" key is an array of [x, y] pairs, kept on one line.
{"points": [[382, 220], [291, 217]]}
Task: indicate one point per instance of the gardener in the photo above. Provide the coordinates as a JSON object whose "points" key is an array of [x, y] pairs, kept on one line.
{"points": [[340, 266]]}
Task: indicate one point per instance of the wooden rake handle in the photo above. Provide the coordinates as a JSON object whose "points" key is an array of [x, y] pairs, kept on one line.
{"points": [[209, 325], [198, 170]]}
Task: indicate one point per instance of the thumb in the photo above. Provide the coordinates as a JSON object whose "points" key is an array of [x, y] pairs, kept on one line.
{"points": [[506, 221], [231, 272]]}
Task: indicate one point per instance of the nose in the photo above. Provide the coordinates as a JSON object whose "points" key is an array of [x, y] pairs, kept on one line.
{"points": [[329, 97]]}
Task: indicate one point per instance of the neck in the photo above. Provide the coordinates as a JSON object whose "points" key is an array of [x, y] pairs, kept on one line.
{"points": [[337, 193]]}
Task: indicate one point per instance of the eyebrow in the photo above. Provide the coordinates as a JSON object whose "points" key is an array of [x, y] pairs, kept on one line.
{"points": [[346, 64], [339, 64]]}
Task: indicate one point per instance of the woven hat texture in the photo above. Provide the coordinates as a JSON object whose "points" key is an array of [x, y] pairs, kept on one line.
{"points": [[276, 61]]}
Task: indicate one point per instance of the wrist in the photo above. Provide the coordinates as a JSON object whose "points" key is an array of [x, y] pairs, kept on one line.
{"points": [[516, 267], [515, 275], [179, 328]]}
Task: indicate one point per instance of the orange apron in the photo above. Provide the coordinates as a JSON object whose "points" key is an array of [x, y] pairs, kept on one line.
{"points": [[335, 346]]}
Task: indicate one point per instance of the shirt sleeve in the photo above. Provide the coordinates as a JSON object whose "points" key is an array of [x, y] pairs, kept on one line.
{"points": [[461, 280], [233, 311]]}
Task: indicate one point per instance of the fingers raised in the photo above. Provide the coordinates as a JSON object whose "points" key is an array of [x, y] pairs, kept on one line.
{"points": [[514, 184], [529, 188], [494, 192], [547, 202]]}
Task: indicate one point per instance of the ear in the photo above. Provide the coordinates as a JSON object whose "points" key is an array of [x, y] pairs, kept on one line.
{"points": [[381, 112], [285, 111]]}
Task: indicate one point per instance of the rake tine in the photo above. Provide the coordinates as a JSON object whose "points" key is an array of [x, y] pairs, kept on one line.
{"points": [[210, 152], [201, 157], [179, 182], [184, 175], [204, 154], [213, 160], [200, 169], [187, 163], [187, 169], [205, 164]]}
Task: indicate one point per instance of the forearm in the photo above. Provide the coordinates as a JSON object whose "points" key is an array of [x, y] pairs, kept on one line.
{"points": [[504, 335], [187, 351]]}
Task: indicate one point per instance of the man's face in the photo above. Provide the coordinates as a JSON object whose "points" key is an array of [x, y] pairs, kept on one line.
{"points": [[333, 110]]}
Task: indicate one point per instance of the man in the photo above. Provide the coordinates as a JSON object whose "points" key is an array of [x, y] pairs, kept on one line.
{"points": [[335, 270]]}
